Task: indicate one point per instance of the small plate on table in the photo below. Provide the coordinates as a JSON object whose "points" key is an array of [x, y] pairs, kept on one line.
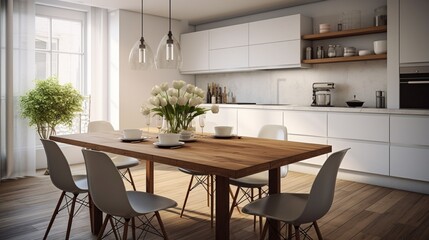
{"points": [[176, 145], [131, 140], [224, 136]]}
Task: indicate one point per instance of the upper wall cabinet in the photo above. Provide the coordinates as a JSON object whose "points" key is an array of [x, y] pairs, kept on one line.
{"points": [[413, 31], [195, 51], [267, 44]]}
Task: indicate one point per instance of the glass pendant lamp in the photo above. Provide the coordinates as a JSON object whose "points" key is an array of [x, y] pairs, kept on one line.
{"points": [[168, 54], [141, 56]]}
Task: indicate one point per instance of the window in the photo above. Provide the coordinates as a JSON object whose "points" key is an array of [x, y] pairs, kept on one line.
{"points": [[60, 51]]}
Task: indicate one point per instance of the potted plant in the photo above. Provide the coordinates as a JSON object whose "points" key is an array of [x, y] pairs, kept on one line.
{"points": [[50, 104]]}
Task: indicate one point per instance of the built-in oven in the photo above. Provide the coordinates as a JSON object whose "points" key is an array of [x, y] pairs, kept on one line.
{"points": [[414, 87]]}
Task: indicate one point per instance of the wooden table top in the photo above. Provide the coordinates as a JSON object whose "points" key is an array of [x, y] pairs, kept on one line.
{"points": [[233, 158]]}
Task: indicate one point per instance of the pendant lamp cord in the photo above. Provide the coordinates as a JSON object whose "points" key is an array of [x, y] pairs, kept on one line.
{"points": [[169, 16], [142, 18]]}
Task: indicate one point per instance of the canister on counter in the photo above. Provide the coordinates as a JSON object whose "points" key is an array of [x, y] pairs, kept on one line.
{"points": [[320, 52], [380, 99]]}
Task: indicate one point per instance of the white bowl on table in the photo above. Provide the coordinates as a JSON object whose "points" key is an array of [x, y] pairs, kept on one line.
{"points": [[223, 131]]}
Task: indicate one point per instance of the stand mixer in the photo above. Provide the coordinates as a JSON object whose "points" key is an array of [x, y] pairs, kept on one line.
{"points": [[322, 94]]}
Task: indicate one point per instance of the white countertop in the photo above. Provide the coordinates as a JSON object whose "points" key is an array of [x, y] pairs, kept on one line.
{"points": [[327, 109]]}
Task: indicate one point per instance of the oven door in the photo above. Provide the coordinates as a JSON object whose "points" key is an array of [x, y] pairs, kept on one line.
{"points": [[414, 87]]}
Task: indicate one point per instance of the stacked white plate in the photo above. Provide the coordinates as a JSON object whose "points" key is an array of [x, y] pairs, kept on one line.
{"points": [[349, 51], [324, 28]]}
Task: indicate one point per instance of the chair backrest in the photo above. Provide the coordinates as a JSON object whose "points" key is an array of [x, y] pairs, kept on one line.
{"points": [[276, 132], [323, 189], [100, 126], [59, 169], [105, 184]]}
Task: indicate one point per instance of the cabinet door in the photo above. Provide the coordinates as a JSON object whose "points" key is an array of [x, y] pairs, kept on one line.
{"points": [[231, 36], [306, 123], [229, 58], [225, 117], [373, 127], [369, 157], [195, 51], [409, 162], [413, 31], [275, 54], [412, 130], [275, 30], [250, 121], [319, 160]]}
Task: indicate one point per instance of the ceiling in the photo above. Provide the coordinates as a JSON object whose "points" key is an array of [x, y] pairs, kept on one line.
{"points": [[197, 11]]}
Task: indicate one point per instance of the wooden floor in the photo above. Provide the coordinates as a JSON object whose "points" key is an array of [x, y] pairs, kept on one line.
{"points": [[359, 211]]}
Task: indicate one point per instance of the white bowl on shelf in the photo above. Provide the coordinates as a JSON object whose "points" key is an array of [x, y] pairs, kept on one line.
{"points": [[380, 47], [364, 52]]}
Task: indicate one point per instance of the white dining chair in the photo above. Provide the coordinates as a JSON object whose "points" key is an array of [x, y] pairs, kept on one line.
{"points": [[122, 163], [301, 208], [71, 185], [259, 180], [110, 196]]}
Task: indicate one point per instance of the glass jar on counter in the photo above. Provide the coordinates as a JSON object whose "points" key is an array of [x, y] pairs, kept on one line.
{"points": [[331, 51]]}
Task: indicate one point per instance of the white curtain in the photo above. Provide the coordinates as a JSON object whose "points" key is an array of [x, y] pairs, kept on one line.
{"points": [[18, 148]]}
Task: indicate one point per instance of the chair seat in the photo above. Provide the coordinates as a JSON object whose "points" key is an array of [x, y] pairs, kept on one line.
{"points": [[81, 182], [122, 162], [291, 204], [257, 180], [192, 172], [143, 203]]}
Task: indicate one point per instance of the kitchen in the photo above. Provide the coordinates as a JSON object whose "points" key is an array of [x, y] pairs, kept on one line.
{"points": [[271, 88]]}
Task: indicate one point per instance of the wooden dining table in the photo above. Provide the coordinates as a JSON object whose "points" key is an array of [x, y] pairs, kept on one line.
{"points": [[225, 158]]}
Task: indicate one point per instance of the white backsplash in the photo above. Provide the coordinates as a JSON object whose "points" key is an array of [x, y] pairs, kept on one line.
{"points": [[294, 86]]}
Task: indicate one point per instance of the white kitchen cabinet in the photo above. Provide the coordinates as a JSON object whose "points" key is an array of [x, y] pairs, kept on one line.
{"points": [[409, 162], [411, 130], [228, 37], [225, 117], [250, 121], [229, 58], [359, 126], [369, 157], [306, 123], [319, 160], [195, 51], [278, 54], [413, 31], [279, 29]]}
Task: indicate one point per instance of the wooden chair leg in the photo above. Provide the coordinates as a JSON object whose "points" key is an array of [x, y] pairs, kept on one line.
{"points": [[131, 179], [54, 214], [319, 234], [125, 235], [289, 226], [232, 196], [234, 202], [161, 225], [187, 195], [133, 226], [211, 201], [208, 190], [297, 235], [260, 218], [264, 231], [71, 213], [90, 212], [103, 227], [113, 228]]}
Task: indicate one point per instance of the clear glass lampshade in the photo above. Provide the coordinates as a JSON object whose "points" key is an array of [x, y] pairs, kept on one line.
{"points": [[168, 54], [141, 56]]}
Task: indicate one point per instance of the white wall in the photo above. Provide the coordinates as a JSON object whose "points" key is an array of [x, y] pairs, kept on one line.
{"points": [[131, 88], [293, 86]]}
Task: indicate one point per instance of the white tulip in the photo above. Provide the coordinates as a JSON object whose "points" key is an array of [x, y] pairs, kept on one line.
{"points": [[178, 84], [215, 108], [190, 88], [173, 100], [172, 92], [193, 102], [155, 90], [188, 95], [145, 110], [163, 102], [182, 100], [154, 101], [164, 87], [199, 92]]}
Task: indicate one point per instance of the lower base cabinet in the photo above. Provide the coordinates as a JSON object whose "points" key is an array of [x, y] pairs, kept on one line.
{"points": [[369, 157], [409, 162]]}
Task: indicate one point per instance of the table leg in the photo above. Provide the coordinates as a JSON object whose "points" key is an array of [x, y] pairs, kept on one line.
{"points": [[149, 177], [222, 208], [273, 188]]}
